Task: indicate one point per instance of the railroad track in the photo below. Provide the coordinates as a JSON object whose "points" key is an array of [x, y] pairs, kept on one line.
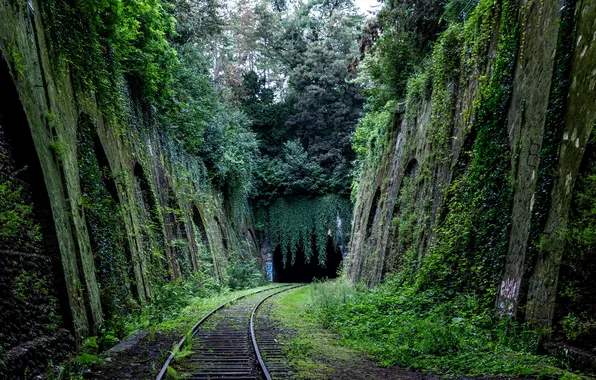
{"points": [[225, 344]]}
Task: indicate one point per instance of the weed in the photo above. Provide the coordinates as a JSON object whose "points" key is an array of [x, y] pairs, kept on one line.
{"points": [[397, 324]]}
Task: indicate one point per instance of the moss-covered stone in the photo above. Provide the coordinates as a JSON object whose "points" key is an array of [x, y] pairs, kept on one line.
{"points": [[130, 209], [468, 188]]}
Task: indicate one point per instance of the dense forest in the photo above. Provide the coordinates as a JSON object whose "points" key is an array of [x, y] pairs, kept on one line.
{"points": [[435, 157]]}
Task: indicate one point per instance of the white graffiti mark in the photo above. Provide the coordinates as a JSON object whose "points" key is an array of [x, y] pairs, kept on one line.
{"points": [[510, 289], [508, 296]]}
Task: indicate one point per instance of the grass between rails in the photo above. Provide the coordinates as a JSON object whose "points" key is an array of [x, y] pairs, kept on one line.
{"points": [[398, 326], [312, 350]]}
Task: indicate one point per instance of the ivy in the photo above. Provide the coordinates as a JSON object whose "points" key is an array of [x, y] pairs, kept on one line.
{"points": [[105, 40], [301, 222], [104, 220], [16, 216], [471, 242]]}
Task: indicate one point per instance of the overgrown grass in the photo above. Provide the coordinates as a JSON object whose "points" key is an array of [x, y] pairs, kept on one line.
{"points": [[396, 325], [313, 351], [176, 308], [171, 302]]}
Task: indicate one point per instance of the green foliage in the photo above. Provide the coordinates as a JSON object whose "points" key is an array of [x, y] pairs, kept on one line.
{"points": [[471, 241], [407, 225], [398, 325], [28, 287], [113, 43], [296, 89], [190, 111], [294, 173], [205, 127], [575, 302], [172, 372], [244, 274], [104, 219], [394, 45], [102, 40], [184, 352], [86, 360], [17, 62], [306, 222], [16, 216], [371, 131]]}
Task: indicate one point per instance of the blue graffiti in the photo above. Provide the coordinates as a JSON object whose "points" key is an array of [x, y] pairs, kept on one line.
{"points": [[270, 271]]}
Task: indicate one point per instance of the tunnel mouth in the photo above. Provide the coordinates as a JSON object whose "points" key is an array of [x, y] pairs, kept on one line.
{"points": [[303, 271]]}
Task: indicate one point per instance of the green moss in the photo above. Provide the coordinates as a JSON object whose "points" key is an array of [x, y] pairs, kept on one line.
{"points": [[17, 63], [59, 148], [16, 216], [104, 221], [553, 130], [370, 132], [471, 241]]}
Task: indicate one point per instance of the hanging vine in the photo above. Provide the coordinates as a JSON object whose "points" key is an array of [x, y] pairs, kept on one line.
{"points": [[306, 223]]}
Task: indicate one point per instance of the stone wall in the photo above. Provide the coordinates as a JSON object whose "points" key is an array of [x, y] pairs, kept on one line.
{"points": [[404, 197], [127, 208]]}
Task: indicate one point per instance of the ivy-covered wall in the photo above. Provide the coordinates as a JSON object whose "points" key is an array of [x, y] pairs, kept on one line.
{"points": [[129, 209], [467, 185]]}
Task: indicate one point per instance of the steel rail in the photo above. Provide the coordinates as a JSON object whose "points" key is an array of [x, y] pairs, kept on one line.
{"points": [[252, 331], [192, 332]]}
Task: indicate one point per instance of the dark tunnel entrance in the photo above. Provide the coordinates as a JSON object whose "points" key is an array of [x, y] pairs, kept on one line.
{"points": [[301, 271]]}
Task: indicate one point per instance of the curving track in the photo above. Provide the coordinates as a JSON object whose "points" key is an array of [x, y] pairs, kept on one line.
{"points": [[224, 344]]}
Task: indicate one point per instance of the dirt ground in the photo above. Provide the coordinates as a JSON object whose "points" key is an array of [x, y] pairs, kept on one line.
{"points": [[138, 359], [142, 356], [361, 368]]}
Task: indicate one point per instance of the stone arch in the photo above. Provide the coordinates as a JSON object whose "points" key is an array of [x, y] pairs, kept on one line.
{"points": [[149, 229], [411, 168], [110, 245], [173, 233], [30, 256], [253, 239], [394, 258], [372, 212], [224, 235], [198, 222]]}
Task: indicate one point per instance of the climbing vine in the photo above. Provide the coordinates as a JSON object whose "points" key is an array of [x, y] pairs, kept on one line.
{"points": [[105, 40], [17, 226], [471, 241], [104, 220], [553, 130]]}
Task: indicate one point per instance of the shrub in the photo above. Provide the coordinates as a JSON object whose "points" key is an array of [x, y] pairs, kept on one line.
{"points": [[397, 324]]}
